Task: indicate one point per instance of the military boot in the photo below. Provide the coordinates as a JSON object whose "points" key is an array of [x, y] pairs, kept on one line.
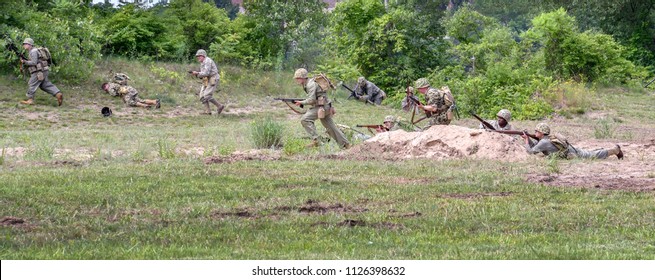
{"points": [[28, 101], [616, 151], [220, 109], [158, 104], [207, 110], [60, 98], [313, 144]]}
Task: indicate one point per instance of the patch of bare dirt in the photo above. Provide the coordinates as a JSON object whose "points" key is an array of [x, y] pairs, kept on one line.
{"points": [[11, 221], [475, 195], [635, 173], [259, 155], [242, 213], [13, 152], [312, 206], [358, 223], [442, 142]]}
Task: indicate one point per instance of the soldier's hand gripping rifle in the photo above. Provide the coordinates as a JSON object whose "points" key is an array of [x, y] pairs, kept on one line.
{"points": [[417, 102], [354, 95], [291, 100], [377, 127], [509, 132]]}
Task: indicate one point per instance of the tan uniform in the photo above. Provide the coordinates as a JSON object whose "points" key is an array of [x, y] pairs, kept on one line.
{"points": [[314, 93], [39, 70]]}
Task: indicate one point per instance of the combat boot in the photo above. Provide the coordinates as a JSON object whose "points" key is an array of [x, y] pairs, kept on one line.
{"points": [[313, 144], [220, 109], [347, 146], [28, 101], [207, 110], [60, 98], [616, 151], [158, 104]]}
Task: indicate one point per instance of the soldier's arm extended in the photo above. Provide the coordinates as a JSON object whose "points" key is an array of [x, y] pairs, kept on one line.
{"points": [[33, 59], [311, 94], [543, 146], [205, 70]]}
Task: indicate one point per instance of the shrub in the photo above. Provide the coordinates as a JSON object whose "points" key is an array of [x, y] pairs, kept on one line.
{"points": [[266, 134]]}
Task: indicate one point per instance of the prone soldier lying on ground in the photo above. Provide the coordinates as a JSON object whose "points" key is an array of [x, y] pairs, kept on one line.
{"points": [[558, 145], [130, 96]]}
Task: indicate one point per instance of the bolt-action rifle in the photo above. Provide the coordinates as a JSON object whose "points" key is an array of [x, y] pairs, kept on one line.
{"points": [[354, 95], [377, 127], [509, 132], [12, 48], [290, 101]]}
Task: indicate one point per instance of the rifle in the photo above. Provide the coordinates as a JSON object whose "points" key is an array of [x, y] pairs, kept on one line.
{"points": [[417, 102], [12, 48], [353, 94], [291, 100], [485, 123], [374, 126], [509, 132]]}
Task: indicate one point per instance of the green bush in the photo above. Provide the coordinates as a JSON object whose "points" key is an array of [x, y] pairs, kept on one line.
{"points": [[266, 134], [293, 146]]}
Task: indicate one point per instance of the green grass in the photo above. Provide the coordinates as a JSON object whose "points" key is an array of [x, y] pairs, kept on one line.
{"points": [[134, 186], [168, 209]]}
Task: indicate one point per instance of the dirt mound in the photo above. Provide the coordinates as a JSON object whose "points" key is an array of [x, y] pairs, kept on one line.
{"points": [[443, 142]]}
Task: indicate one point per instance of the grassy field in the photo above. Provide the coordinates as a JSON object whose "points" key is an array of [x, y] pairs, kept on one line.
{"points": [[136, 185]]}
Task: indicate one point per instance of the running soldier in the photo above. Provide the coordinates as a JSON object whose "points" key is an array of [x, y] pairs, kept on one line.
{"points": [[38, 66], [210, 78]]}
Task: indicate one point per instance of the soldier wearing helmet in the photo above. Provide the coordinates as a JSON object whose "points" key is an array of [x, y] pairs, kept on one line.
{"points": [[502, 121], [557, 144], [39, 69], [130, 96], [369, 92], [121, 79], [210, 78], [438, 101], [320, 105]]}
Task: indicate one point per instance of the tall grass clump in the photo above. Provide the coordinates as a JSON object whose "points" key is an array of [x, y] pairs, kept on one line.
{"points": [[603, 129], [266, 134]]}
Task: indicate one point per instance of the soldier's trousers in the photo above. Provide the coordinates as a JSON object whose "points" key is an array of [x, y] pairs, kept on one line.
{"points": [[310, 117], [44, 85], [207, 93], [593, 154]]}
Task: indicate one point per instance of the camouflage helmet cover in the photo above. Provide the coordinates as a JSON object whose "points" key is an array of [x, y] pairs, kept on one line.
{"points": [[28, 41], [543, 128], [389, 119], [361, 81], [421, 83], [300, 73], [201, 52], [121, 78], [505, 114]]}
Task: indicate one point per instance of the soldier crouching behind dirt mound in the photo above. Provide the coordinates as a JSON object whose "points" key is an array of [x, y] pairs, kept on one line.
{"points": [[558, 145], [38, 67], [438, 101], [502, 121], [317, 98], [210, 78], [130, 95]]}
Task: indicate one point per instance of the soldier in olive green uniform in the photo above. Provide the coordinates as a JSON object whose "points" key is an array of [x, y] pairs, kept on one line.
{"points": [[39, 69], [438, 101], [502, 121], [210, 78], [320, 105], [130, 96], [369, 92], [390, 124], [558, 145]]}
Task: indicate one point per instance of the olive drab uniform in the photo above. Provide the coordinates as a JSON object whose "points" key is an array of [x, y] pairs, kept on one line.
{"points": [[442, 100], [129, 95], [506, 115], [38, 67], [317, 99]]}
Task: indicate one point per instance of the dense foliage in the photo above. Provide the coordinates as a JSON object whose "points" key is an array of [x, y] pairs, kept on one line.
{"points": [[493, 54]]}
